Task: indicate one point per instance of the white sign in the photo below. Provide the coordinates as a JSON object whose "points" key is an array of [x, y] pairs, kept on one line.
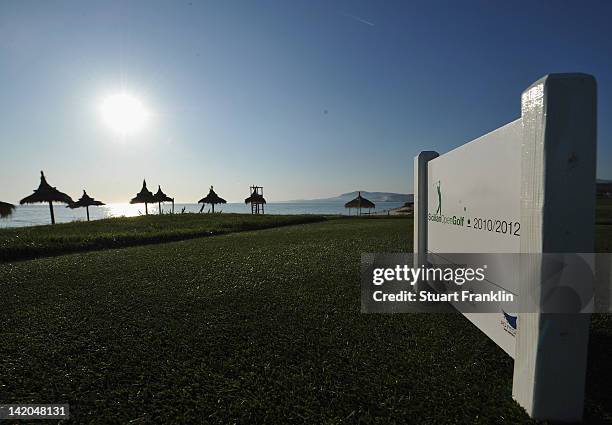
{"points": [[474, 207], [527, 187], [474, 195]]}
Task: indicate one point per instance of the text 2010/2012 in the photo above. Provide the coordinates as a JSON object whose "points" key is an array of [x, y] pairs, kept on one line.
{"points": [[505, 227]]}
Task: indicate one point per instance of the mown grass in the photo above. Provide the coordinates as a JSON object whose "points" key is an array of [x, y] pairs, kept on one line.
{"points": [[252, 327], [40, 241], [604, 211]]}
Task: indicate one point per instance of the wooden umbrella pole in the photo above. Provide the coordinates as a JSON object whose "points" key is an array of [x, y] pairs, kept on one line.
{"points": [[52, 215], [87, 208], [213, 208], [146, 209], [159, 208]]}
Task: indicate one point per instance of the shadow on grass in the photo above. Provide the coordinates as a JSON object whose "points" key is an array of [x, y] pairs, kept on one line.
{"points": [[598, 398]]}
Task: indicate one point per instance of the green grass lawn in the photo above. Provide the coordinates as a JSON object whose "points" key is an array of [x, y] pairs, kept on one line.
{"points": [[604, 211], [260, 326], [40, 241]]}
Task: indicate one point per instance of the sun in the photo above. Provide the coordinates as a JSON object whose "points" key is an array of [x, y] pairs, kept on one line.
{"points": [[124, 113]]}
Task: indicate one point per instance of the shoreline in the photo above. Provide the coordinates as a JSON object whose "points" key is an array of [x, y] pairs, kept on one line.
{"points": [[34, 215]]}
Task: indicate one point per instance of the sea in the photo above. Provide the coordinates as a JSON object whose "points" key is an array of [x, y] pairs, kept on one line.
{"points": [[36, 215]]}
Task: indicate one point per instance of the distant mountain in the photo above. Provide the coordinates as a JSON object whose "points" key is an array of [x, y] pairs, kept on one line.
{"points": [[372, 196], [399, 197]]}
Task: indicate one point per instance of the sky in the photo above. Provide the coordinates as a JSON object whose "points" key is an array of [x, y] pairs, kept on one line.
{"points": [[308, 98]]}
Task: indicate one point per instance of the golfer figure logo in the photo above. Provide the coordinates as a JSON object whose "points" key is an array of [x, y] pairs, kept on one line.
{"points": [[439, 210]]}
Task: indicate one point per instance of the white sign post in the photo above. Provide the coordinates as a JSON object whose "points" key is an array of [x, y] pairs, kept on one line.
{"points": [[527, 187]]}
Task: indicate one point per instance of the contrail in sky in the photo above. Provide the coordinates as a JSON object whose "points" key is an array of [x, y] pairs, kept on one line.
{"points": [[357, 18]]}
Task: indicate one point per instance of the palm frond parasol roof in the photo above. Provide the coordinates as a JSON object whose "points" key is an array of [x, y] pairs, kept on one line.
{"points": [[85, 201], [360, 202], [255, 198], [46, 193], [212, 198], [144, 196], [160, 196], [6, 209]]}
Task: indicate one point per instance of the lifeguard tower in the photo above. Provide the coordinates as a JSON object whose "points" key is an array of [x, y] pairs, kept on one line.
{"points": [[256, 200]]}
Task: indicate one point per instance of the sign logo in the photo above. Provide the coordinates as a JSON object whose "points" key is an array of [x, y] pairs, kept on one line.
{"points": [[439, 210], [441, 218], [509, 323]]}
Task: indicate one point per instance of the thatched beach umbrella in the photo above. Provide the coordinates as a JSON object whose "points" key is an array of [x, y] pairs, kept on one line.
{"points": [[46, 193], [212, 198], [162, 197], [85, 201], [144, 197], [6, 209], [359, 202]]}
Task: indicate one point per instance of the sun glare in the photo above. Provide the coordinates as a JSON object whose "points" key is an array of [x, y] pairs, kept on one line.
{"points": [[124, 113]]}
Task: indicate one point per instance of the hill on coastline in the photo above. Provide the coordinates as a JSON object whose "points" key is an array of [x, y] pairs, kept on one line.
{"points": [[372, 196]]}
